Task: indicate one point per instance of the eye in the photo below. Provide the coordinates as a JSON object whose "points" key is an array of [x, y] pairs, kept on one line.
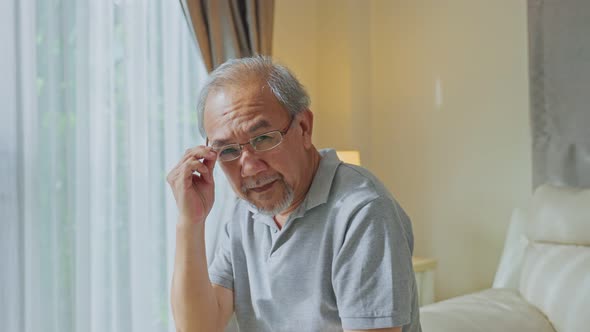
{"points": [[261, 139], [228, 151]]}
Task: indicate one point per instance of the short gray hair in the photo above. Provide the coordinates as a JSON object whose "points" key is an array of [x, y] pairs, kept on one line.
{"points": [[282, 83]]}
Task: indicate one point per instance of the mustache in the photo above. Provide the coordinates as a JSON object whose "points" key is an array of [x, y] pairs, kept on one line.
{"points": [[259, 182]]}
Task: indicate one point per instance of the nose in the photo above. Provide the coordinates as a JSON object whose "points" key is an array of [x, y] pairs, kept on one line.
{"points": [[250, 162]]}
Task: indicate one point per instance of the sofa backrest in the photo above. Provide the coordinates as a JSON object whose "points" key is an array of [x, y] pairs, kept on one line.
{"points": [[555, 275], [510, 266]]}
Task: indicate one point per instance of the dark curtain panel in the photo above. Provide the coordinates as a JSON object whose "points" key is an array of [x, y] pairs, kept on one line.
{"points": [[226, 29], [559, 54]]}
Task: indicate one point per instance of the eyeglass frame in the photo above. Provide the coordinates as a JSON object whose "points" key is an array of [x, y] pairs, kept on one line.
{"points": [[241, 145]]}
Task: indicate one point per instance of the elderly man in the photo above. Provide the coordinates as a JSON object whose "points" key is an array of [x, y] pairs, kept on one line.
{"points": [[313, 244]]}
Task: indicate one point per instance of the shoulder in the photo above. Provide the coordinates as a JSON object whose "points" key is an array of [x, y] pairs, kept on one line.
{"points": [[365, 203], [357, 186]]}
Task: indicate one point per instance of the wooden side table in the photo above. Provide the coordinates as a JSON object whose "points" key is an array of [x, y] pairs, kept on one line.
{"points": [[424, 271]]}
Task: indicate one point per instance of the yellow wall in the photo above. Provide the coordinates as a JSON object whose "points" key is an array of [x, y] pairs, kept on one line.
{"points": [[295, 41], [435, 95]]}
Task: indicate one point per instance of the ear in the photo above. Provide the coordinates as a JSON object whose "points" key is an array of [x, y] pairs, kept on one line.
{"points": [[306, 124]]}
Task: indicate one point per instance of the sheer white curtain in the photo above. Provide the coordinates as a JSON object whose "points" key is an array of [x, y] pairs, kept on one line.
{"points": [[101, 98]]}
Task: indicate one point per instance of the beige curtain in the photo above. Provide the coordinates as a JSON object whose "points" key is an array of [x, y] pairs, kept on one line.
{"points": [[226, 29]]}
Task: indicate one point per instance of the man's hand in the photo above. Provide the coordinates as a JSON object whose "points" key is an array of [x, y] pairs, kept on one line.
{"points": [[196, 304], [194, 193]]}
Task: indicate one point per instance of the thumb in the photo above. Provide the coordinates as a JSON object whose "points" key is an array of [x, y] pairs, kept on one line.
{"points": [[210, 163]]}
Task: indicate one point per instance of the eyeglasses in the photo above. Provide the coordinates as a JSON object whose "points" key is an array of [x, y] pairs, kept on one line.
{"points": [[263, 142]]}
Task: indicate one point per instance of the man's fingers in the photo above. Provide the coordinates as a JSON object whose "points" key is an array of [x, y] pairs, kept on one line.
{"points": [[210, 164], [192, 165], [196, 153]]}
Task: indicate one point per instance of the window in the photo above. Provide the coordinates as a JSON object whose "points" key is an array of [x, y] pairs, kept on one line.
{"points": [[104, 106]]}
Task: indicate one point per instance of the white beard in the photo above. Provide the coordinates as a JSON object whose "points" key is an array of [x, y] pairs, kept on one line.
{"points": [[278, 207]]}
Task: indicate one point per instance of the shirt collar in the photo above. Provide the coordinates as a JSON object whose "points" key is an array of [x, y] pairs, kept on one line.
{"points": [[319, 190]]}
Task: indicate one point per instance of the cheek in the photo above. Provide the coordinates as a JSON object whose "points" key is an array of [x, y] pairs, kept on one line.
{"points": [[278, 160], [287, 166]]}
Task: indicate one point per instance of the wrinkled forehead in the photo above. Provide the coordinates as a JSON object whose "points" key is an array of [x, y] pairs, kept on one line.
{"points": [[240, 113], [235, 103], [220, 97]]}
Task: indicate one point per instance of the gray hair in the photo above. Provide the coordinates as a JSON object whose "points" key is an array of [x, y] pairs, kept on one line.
{"points": [[283, 84]]}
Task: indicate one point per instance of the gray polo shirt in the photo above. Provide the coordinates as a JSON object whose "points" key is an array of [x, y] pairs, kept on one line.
{"points": [[343, 259]]}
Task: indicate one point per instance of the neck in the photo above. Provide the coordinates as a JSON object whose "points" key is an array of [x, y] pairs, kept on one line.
{"points": [[281, 218]]}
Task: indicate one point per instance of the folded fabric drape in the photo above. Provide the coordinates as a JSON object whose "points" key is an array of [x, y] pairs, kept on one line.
{"points": [[226, 29]]}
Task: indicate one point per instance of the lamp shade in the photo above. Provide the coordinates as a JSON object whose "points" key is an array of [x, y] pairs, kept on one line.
{"points": [[350, 157]]}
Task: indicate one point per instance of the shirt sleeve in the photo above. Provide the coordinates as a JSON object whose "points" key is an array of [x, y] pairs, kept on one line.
{"points": [[372, 273], [221, 268]]}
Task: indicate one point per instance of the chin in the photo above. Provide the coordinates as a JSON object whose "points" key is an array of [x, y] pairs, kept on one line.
{"points": [[269, 206]]}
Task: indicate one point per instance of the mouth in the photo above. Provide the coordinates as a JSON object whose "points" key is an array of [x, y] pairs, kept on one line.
{"points": [[263, 188]]}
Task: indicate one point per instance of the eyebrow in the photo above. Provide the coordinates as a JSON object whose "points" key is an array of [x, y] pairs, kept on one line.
{"points": [[258, 125]]}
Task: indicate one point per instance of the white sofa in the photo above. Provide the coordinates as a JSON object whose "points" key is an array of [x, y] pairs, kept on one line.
{"points": [[543, 280]]}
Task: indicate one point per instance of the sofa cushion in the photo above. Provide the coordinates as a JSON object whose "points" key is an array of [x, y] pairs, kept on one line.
{"points": [[556, 279], [560, 215], [489, 310]]}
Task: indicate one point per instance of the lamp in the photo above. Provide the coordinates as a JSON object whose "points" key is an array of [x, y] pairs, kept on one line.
{"points": [[350, 157]]}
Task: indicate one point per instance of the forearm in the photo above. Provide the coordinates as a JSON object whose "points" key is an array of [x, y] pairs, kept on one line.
{"points": [[194, 304]]}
